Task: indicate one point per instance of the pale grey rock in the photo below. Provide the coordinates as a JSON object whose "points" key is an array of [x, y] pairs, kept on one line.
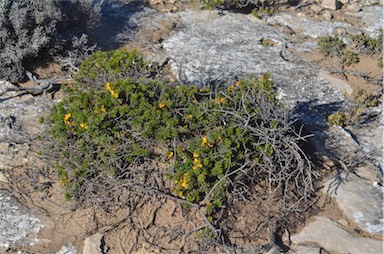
{"points": [[369, 173], [354, 7], [372, 18], [359, 200], [330, 4], [214, 47], [327, 15], [68, 249], [306, 26], [17, 224], [369, 134], [19, 115], [305, 250], [343, 86], [327, 234], [13, 155], [93, 244], [316, 8], [3, 178], [344, 2], [371, 2]]}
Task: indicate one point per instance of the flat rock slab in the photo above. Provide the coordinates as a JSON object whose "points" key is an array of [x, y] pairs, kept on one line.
{"points": [[209, 46], [19, 115], [360, 201], [17, 224], [327, 234]]}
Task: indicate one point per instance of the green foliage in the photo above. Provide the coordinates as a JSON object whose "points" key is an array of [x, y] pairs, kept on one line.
{"points": [[366, 98], [41, 119], [335, 47], [369, 45], [210, 4], [105, 133], [108, 66], [338, 118], [261, 12]]}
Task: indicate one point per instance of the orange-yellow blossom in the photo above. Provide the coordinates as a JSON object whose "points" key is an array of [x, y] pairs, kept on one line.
{"points": [[204, 141], [84, 126], [67, 117]]}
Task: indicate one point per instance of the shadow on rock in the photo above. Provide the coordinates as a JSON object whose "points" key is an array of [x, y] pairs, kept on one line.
{"points": [[114, 19]]}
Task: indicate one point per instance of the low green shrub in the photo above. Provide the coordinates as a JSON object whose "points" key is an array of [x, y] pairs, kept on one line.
{"points": [[199, 144], [338, 119], [102, 67], [335, 47], [366, 98]]}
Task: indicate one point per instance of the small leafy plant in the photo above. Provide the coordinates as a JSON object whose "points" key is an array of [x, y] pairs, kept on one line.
{"points": [[261, 12], [366, 98], [338, 119], [335, 47]]}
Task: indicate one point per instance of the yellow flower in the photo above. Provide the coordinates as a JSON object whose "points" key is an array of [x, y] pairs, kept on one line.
{"points": [[108, 87], [67, 116], [184, 183], [199, 165], [84, 126], [221, 100], [230, 88], [170, 155], [161, 105], [204, 141], [190, 116], [102, 109], [180, 193], [115, 95], [70, 123], [195, 155]]}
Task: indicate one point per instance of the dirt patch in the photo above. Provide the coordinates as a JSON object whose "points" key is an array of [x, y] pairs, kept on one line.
{"points": [[365, 75]]}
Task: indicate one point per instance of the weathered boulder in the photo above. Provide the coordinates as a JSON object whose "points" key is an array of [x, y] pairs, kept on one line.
{"points": [[93, 244], [17, 224], [327, 234], [360, 201], [331, 4], [19, 115]]}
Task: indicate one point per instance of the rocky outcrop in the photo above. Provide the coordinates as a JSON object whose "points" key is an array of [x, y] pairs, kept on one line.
{"points": [[17, 224], [360, 201], [332, 238]]}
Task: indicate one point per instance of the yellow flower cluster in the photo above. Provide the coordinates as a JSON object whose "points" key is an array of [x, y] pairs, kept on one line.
{"points": [[66, 119], [196, 162], [184, 183], [204, 141], [113, 93], [64, 180], [161, 105], [84, 126], [170, 155], [102, 109]]}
